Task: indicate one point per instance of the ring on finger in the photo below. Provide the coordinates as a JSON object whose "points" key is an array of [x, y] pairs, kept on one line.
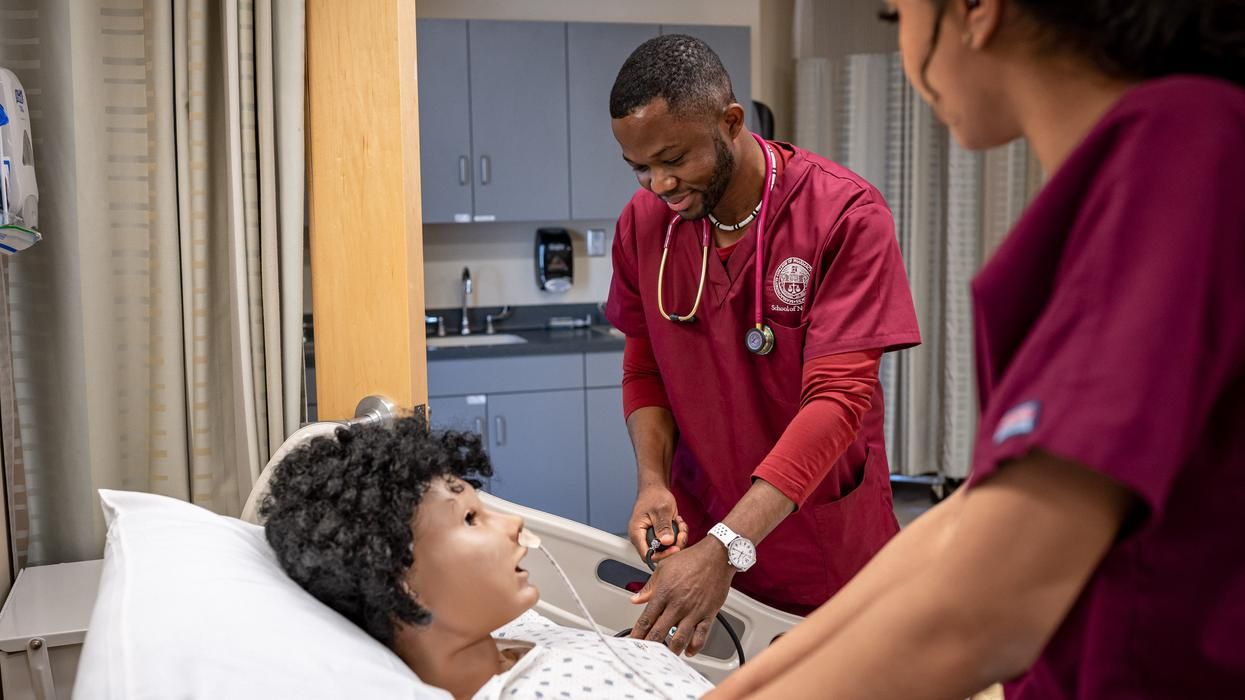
{"points": [[670, 634]]}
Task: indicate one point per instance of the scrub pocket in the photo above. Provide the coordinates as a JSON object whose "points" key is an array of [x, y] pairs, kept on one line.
{"points": [[786, 361], [853, 528]]}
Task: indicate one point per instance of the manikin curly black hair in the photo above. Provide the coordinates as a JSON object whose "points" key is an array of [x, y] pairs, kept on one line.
{"points": [[681, 69], [339, 513]]}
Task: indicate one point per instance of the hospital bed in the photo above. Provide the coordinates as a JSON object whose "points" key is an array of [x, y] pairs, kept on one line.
{"points": [[599, 565], [193, 604]]}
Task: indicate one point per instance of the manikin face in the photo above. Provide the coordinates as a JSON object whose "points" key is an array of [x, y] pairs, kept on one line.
{"points": [[687, 160], [466, 570]]}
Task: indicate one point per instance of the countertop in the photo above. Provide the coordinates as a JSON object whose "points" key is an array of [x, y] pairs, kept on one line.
{"points": [[539, 342]]}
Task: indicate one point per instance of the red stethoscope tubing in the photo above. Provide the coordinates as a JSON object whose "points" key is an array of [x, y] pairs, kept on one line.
{"points": [[761, 221]]}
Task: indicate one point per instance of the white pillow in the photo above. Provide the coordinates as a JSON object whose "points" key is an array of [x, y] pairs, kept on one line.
{"points": [[194, 605]]}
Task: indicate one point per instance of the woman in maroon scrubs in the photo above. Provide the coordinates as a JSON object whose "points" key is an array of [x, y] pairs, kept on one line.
{"points": [[1097, 550]]}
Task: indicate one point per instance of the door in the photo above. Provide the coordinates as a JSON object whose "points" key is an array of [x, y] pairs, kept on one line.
{"points": [[519, 121], [445, 163], [537, 443], [611, 462], [601, 183], [734, 46]]}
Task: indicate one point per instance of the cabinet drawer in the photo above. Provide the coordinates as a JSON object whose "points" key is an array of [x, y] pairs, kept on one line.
{"points": [[505, 375]]}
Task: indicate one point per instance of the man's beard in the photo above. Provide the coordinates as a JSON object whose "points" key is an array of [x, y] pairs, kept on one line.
{"points": [[723, 168]]}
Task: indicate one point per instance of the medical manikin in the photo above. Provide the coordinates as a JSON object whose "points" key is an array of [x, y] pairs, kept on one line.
{"points": [[19, 194], [383, 524]]}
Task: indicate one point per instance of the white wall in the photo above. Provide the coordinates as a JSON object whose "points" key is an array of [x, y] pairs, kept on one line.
{"points": [[842, 27], [501, 256], [502, 260]]}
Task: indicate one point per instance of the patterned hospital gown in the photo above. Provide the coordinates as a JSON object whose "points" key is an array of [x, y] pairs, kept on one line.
{"points": [[568, 663]]}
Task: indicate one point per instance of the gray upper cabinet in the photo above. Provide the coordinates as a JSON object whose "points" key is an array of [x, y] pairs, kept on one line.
{"points": [[445, 161], [734, 46], [537, 444], [519, 120], [601, 183], [514, 116]]}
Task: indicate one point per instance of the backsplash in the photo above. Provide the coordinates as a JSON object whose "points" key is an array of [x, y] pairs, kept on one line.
{"points": [[502, 260], [522, 318]]}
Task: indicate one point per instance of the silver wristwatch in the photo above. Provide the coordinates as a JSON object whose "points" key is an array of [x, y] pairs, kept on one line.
{"points": [[740, 551]]}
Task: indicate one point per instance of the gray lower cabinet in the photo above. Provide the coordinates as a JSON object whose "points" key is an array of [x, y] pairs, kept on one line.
{"points": [[468, 414], [611, 462], [530, 412], [537, 444], [553, 426], [464, 413], [535, 440]]}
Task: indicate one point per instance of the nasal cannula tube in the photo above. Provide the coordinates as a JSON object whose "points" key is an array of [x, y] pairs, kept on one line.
{"points": [[531, 541]]}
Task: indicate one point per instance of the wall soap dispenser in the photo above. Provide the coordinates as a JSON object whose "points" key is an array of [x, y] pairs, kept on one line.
{"points": [[555, 261]]}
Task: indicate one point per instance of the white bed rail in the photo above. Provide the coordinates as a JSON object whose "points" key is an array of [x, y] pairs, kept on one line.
{"points": [[586, 554]]}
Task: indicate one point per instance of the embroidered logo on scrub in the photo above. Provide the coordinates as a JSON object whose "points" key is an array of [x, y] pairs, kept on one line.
{"points": [[1020, 420], [791, 284]]}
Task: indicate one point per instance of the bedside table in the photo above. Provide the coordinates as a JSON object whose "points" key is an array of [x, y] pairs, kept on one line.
{"points": [[42, 626]]}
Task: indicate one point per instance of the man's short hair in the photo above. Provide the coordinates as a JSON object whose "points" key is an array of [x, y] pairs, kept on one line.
{"points": [[681, 69]]}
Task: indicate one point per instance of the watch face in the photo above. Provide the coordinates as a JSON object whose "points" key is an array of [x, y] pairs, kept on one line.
{"points": [[742, 554]]}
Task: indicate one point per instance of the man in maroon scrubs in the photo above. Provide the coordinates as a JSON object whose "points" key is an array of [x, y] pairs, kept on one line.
{"points": [[777, 459]]}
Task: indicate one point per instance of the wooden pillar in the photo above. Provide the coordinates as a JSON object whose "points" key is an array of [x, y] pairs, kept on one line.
{"points": [[367, 267]]}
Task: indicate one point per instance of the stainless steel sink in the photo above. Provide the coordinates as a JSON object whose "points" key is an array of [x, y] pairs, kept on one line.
{"points": [[473, 341]]}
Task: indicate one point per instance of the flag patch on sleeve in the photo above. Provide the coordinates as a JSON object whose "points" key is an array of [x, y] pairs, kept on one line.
{"points": [[1019, 420]]}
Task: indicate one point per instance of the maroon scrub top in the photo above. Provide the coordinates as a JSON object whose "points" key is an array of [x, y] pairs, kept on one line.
{"points": [[1111, 332], [833, 282]]}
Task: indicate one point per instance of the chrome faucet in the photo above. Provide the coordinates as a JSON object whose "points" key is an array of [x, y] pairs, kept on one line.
{"points": [[464, 327]]}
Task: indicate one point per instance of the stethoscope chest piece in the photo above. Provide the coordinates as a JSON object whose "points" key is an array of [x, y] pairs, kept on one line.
{"points": [[760, 341]]}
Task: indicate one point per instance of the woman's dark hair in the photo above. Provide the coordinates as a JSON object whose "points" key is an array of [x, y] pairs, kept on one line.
{"points": [[1139, 38], [338, 514]]}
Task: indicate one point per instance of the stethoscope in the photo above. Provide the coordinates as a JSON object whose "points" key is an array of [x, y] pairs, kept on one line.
{"points": [[760, 338]]}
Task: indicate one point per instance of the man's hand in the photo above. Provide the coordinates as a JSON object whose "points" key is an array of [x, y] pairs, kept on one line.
{"points": [[685, 593], [655, 507]]}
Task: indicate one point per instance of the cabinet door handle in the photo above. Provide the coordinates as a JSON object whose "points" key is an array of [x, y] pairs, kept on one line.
{"points": [[464, 170], [486, 170], [479, 426], [499, 430]]}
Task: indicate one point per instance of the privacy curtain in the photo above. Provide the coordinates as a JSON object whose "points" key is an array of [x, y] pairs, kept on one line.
{"points": [[155, 332], [951, 209]]}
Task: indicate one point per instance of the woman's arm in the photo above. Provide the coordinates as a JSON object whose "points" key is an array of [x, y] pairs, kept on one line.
{"points": [[990, 597], [902, 558]]}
